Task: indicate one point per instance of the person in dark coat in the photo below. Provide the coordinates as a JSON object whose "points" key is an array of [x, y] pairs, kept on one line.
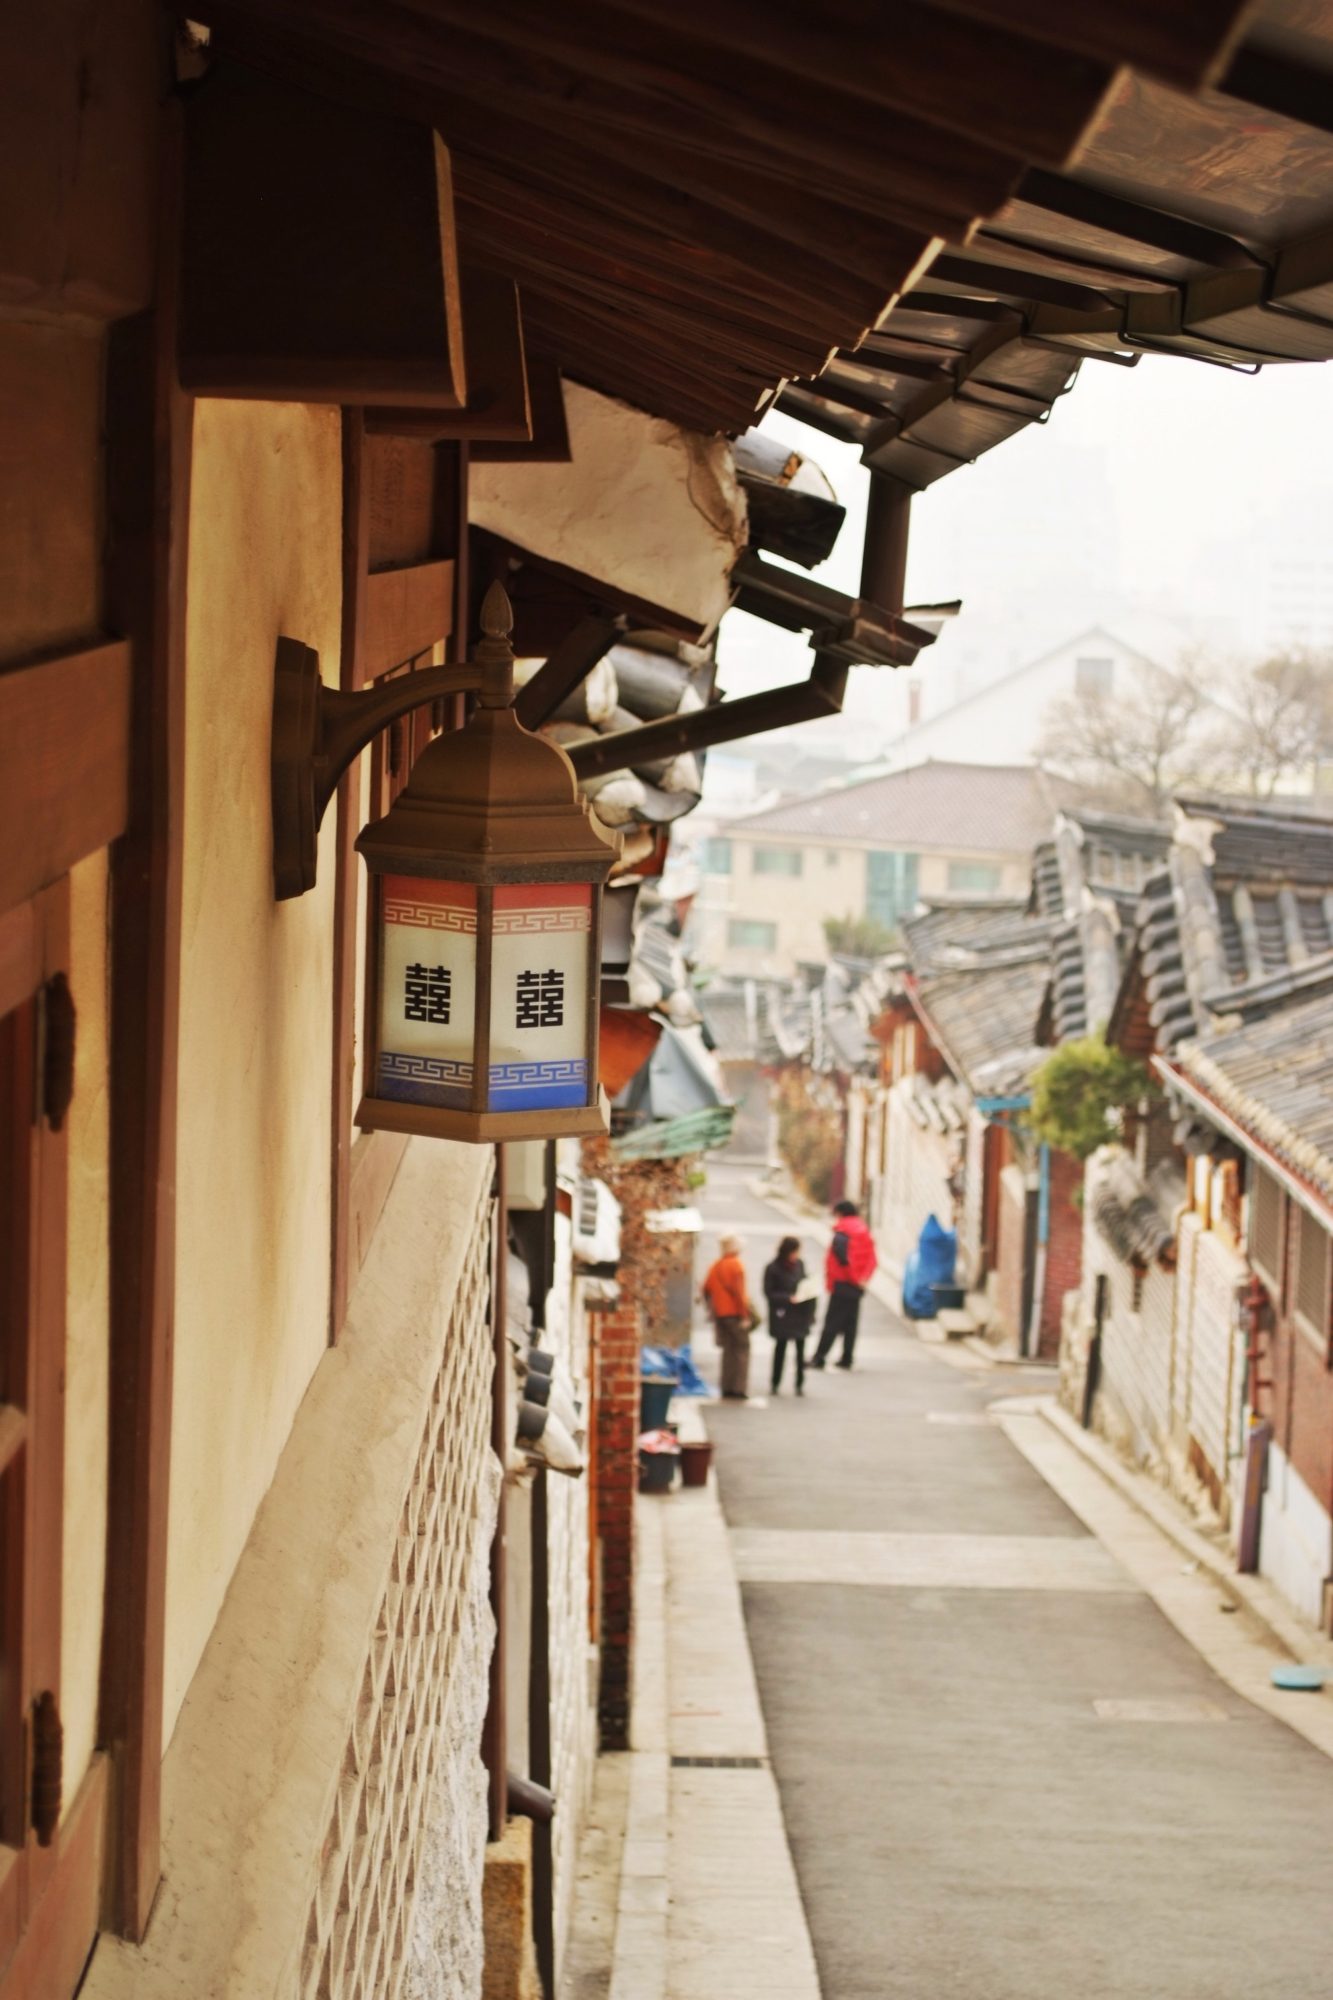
{"points": [[848, 1269], [789, 1315]]}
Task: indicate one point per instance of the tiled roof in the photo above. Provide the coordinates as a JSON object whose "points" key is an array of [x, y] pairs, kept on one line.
{"points": [[730, 1019], [958, 808], [978, 976], [987, 1020], [952, 934], [1274, 1075], [1237, 921], [1090, 874]]}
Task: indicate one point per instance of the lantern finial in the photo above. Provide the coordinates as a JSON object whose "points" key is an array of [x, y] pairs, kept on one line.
{"points": [[497, 615], [494, 654]]}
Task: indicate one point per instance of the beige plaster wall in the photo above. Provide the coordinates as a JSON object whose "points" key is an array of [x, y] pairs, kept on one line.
{"points": [[252, 1271], [86, 1326], [275, 1730], [644, 505]]}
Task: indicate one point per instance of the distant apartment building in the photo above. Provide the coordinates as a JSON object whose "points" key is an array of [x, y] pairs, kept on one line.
{"points": [[873, 849]]}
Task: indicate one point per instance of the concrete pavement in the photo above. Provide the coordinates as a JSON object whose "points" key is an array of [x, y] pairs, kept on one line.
{"points": [[707, 1902], [1004, 1771]]}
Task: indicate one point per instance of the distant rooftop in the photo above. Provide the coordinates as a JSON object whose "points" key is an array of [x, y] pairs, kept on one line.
{"points": [[1237, 921], [977, 808]]}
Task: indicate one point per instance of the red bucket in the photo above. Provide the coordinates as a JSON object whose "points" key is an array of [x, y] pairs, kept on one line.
{"points": [[696, 1456]]}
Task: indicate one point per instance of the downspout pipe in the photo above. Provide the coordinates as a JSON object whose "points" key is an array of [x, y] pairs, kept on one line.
{"points": [[494, 1734], [1032, 1339]]}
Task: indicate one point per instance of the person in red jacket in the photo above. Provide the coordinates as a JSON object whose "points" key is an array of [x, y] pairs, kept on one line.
{"points": [[848, 1269]]}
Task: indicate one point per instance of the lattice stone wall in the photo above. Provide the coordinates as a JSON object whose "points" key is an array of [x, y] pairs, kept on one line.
{"points": [[425, 1666]]}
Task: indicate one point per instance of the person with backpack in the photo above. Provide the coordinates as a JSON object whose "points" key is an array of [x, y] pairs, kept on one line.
{"points": [[791, 1309], [848, 1269]]}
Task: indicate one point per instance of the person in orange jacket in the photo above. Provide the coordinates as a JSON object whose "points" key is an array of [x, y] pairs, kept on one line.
{"points": [[728, 1297]]}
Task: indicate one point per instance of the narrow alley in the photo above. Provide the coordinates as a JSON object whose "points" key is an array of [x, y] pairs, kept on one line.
{"points": [[1002, 1771]]}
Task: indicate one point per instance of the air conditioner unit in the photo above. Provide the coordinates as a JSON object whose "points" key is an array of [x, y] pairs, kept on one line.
{"points": [[596, 1223]]}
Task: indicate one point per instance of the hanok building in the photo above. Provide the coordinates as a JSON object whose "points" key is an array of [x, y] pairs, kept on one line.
{"points": [[315, 321], [958, 1044], [1226, 991], [983, 991]]}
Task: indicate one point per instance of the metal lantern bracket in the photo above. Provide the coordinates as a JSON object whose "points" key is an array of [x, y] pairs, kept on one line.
{"points": [[318, 732]]}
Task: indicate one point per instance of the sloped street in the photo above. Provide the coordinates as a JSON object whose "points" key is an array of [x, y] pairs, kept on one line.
{"points": [[1003, 1771]]}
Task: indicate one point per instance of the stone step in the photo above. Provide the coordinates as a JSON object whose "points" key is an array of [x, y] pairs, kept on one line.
{"points": [[954, 1323], [981, 1309]]}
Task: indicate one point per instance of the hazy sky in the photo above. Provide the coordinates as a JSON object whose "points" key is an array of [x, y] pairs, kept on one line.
{"points": [[1164, 489]]}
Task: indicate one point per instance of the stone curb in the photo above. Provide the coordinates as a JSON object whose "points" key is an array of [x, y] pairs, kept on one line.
{"points": [[1283, 1626]]}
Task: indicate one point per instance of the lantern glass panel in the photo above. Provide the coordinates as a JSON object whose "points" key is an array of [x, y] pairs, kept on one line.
{"points": [[539, 996], [428, 977]]}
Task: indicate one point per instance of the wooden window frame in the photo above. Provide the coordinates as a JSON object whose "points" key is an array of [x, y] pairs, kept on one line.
{"points": [[992, 870], [767, 924], [767, 852], [1274, 1279], [1316, 1334]]}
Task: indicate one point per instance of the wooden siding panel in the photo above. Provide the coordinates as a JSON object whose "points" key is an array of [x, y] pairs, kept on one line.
{"points": [[64, 764], [407, 612]]}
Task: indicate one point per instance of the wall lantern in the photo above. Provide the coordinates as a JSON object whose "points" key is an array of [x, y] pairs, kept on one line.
{"points": [[486, 881]]}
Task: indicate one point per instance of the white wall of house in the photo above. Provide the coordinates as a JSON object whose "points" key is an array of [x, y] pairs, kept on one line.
{"points": [[1209, 1345], [1295, 1539], [1002, 723], [1137, 1334], [916, 1181]]}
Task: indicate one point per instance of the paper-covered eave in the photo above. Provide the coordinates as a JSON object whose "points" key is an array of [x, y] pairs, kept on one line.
{"points": [[643, 506]]}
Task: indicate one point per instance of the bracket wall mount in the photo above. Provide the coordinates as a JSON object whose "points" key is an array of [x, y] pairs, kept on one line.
{"points": [[318, 732]]}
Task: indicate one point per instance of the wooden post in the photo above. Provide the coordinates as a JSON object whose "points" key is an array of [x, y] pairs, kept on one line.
{"points": [[149, 429]]}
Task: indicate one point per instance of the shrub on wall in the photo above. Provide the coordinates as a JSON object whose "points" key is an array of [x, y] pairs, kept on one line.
{"points": [[859, 937], [1083, 1093]]}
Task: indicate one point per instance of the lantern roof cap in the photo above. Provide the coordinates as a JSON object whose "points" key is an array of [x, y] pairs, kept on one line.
{"points": [[492, 798]]}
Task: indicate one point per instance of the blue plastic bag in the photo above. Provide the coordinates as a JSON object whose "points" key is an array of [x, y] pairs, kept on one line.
{"points": [[930, 1264], [678, 1363]]}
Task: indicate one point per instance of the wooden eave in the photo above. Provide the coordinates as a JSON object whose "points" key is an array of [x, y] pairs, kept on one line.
{"points": [[698, 208], [1198, 226]]}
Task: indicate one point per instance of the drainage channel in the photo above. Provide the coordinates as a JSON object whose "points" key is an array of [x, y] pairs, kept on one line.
{"points": [[718, 1763]]}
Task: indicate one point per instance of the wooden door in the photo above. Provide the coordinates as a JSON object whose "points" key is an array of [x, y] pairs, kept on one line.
{"points": [[49, 1864]]}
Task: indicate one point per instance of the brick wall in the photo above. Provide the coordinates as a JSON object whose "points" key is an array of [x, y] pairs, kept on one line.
{"points": [[1064, 1250], [651, 1264], [616, 1338], [649, 1273]]}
